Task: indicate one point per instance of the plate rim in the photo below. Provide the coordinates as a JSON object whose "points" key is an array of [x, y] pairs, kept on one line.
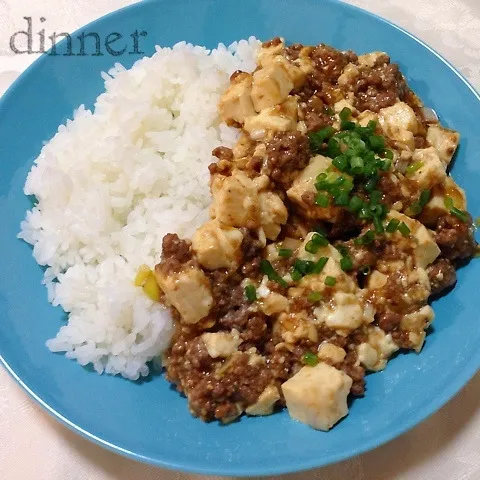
{"points": [[422, 414]]}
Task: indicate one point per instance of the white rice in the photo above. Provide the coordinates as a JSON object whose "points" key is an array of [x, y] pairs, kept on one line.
{"points": [[110, 184]]}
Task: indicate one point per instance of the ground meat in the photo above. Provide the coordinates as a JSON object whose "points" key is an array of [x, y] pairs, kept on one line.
{"points": [[317, 120], [391, 189], [287, 153], [389, 321], [293, 51], [355, 372], [402, 338], [329, 61], [227, 291], [455, 238], [251, 245], [223, 153], [272, 43], [344, 227], [442, 275], [217, 397], [175, 253], [403, 297], [361, 255], [379, 87]]}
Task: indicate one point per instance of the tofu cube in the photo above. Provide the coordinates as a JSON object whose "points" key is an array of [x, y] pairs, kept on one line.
{"points": [[274, 303], [217, 245], [427, 249], [445, 141], [344, 312], [399, 122], [436, 208], [271, 86], [332, 353], [221, 344], [374, 354], [416, 323], [236, 201], [279, 118], [317, 396], [432, 170], [267, 54], [296, 74], [349, 74], [189, 291], [274, 214], [236, 103], [305, 184], [373, 59], [265, 403]]}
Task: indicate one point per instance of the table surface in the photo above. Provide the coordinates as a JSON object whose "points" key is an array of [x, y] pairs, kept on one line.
{"points": [[446, 446]]}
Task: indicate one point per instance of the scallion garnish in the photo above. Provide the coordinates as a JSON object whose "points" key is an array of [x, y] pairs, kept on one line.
{"points": [[267, 268], [346, 263], [321, 199], [310, 359], [285, 252], [330, 281], [460, 214], [314, 297], [413, 167], [366, 238], [251, 293], [403, 229], [319, 266], [392, 225]]}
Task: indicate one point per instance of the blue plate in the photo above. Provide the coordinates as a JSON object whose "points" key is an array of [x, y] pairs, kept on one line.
{"points": [[149, 421]]}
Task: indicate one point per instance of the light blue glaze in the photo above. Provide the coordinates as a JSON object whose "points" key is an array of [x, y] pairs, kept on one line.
{"points": [[149, 421]]}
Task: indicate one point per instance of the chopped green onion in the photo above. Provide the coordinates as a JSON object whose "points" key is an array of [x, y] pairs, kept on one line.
{"points": [[415, 208], [322, 200], [403, 229], [392, 225], [310, 359], [424, 197], [318, 138], [267, 268], [347, 125], [341, 162], [319, 229], [251, 293], [371, 183], [388, 154], [356, 165], [413, 167], [319, 240], [342, 199], [346, 264], [376, 142], [285, 252], [333, 148], [386, 164], [375, 197], [303, 266], [314, 297], [296, 275], [330, 281], [355, 204], [310, 247], [345, 114], [319, 266], [366, 238], [448, 201], [377, 222], [460, 214], [477, 222]]}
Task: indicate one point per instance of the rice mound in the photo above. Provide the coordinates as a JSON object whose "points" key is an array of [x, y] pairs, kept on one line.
{"points": [[112, 182]]}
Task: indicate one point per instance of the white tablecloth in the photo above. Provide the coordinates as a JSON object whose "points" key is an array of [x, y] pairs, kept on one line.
{"points": [[33, 446]]}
